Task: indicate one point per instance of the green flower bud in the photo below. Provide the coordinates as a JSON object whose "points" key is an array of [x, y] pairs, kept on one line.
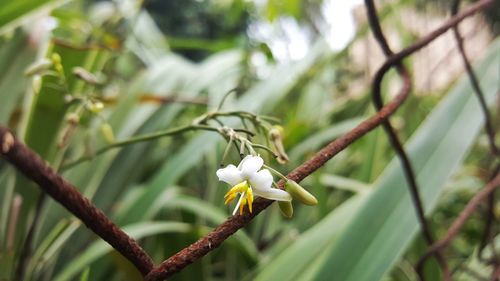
{"points": [[286, 208], [56, 60], [299, 193], [107, 132], [95, 107]]}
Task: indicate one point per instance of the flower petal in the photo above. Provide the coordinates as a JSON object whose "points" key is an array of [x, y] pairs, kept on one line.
{"points": [[243, 161], [261, 180], [274, 194], [261, 184], [230, 175], [250, 165]]}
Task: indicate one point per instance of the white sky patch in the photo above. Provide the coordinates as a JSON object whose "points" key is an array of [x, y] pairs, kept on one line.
{"points": [[286, 39], [339, 16], [289, 41]]}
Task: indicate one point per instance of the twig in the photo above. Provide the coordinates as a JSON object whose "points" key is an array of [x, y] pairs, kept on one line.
{"points": [[495, 276], [474, 274], [459, 222], [172, 99], [35, 168], [490, 131], [139, 138], [394, 139], [490, 218], [151, 98], [221, 103]]}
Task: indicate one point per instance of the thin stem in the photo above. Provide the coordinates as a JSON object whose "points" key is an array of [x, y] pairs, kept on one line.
{"points": [[242, 148], [249, 146], [276, 172], [263, 147], [216, 237], [460, 221], [36, 169], [140, 138], [248, 132], [226, 150], [221, 103]]}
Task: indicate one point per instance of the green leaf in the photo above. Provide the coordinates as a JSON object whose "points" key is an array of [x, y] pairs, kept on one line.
{"points": [[315, 141], [14, 13], [15, 55], [48, 110], [100, 247], [344, 183], [303, 252]]}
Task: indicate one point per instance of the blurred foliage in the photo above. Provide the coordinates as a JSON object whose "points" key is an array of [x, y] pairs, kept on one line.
{"points": [[192, 26], [81, 75], [492, 14]]}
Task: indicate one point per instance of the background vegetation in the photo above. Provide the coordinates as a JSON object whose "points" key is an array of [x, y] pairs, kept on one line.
{"points": [[158, 65]]}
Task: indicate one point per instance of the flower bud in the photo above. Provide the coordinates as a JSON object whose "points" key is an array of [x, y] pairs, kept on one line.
{"points": [[299, 193], [286, 208], [276, 137], [72, 119], [107, 132], [95, 107], [56, 61], [86, 76]]}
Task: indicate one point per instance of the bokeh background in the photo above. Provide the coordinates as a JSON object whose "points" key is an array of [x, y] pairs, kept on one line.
{"points": [[154, 65]]}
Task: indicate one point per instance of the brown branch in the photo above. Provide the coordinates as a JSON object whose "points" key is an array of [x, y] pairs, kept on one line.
{"points": [[495, 276], [460, 221], [35, 168], [215, 238], [394, 139]]}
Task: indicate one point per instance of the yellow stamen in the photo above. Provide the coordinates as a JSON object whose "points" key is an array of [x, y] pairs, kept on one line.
{"points": [[249, 199], [229, 198], [233, 192], [242, 205]]}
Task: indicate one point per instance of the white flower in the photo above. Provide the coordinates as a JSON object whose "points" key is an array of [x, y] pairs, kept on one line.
{"points": [[248, 179]]}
